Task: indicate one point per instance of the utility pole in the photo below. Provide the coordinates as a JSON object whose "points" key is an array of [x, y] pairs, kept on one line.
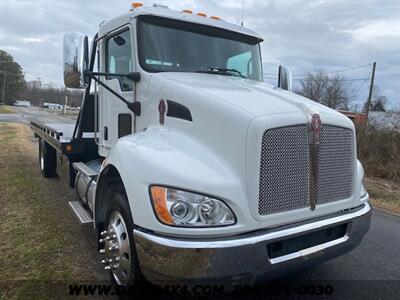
{"points": [[371, 86], [4, 87], [66, 101]]}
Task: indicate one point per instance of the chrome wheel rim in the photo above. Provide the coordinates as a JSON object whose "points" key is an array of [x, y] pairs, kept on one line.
{"points": [[117, 249]]}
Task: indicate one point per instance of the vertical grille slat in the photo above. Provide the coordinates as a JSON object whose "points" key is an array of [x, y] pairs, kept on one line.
{"points": [[285, 168]]}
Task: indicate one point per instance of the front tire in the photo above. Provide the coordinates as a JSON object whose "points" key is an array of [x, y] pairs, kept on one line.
{"points": [[121, 258], [47, 159]]}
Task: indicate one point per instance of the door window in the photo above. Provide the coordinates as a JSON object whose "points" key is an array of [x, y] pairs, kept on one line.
{"points": [[119, 58]]}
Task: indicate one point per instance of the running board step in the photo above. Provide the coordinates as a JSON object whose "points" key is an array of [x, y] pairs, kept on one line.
{"points": [[80, 212], [83, 168]]}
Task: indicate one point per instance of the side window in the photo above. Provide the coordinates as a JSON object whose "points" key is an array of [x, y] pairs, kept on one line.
{"points": [[241, 62], [119, 58]]}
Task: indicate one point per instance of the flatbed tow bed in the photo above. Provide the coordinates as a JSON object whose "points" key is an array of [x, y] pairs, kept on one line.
{"points": [[56, 134], [66, 144]]}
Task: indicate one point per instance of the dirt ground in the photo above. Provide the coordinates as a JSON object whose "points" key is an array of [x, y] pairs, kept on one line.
{"points": [[384, 194], [41, 244]]}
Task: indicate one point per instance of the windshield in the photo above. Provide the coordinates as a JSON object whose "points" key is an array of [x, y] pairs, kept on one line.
{"points": [[167, 45]]}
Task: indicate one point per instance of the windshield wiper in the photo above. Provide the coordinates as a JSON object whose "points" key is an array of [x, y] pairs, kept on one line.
{"points": [[222, 71]]}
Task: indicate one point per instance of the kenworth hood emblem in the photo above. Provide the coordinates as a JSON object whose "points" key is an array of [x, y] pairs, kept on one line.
{"points": [[315, 128], [315, 138]]}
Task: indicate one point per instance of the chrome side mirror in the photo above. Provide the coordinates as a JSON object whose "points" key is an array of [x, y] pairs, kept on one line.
{"points": [[285, 78], [75, 59]]}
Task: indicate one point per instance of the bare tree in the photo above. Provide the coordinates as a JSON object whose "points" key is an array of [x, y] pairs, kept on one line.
{"points": [[38, 95], [378, 102], [332, 91]]}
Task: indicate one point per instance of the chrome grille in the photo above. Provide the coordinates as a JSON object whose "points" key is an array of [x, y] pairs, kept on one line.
{"points": [[285, 168], [335, 165], [284, 172]]}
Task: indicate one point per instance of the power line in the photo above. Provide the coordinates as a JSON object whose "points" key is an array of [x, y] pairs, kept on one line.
{"points": [[350, 79], [360, 87], [349, 69]]}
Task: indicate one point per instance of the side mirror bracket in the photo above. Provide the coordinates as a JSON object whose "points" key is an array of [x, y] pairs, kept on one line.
{"points": [[135, 107]]}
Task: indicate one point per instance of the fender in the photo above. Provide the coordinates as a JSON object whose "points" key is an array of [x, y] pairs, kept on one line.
{"points": [[166, 157]]}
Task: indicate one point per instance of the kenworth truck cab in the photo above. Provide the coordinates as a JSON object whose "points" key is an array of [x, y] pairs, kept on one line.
{"points": [[189, 166]]}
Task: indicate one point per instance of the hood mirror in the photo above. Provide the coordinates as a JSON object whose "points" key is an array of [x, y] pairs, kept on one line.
{"points": [[285, 78], [75, 59]]}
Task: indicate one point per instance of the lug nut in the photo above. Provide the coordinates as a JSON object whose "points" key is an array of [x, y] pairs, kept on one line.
{"points": [[113, 248], [102, 251], [103, 233], [104, 239], [115, 259]]}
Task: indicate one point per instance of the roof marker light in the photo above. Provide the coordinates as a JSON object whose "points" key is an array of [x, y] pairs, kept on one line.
{"points": [[188, 11], [201, 14], [215, 18], [136, 4]]}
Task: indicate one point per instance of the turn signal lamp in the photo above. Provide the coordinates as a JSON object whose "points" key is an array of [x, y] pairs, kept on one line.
{"points": [[158, 195], [201, 14], [188, 11], [136, 4]]}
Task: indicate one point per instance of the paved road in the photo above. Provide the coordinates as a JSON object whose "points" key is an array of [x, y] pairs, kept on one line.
{"points": [[373, 269], [27, 114], [376, 258]]}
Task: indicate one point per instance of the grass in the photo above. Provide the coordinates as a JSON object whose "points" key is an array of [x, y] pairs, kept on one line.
{"points": [[384, 194], [5, 109], [41, 244]]}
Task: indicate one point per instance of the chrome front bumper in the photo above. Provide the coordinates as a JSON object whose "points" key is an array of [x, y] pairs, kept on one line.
{"points": [[243, 259]]}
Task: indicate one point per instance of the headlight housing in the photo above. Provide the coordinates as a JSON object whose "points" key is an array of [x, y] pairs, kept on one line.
{"points": [[182, 208]]}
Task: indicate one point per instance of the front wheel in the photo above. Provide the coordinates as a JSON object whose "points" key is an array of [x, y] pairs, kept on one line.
{"points": [[121, 258]]}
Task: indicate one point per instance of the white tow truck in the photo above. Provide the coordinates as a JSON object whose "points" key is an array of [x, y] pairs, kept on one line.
{"points": [[189, 166]]}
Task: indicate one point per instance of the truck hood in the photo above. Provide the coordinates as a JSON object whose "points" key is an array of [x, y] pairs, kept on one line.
{"points": [[254, 97], [218, 152]]}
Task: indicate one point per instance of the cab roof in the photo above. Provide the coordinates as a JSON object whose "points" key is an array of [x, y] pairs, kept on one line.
{"points": [[165, 12]]}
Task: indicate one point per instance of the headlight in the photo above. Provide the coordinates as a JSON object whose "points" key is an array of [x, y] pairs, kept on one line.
{"points": [[363, 190], [182, 208]]}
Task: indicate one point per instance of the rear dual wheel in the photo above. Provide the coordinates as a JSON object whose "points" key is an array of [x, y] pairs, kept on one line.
{"points": [[47, 159]]}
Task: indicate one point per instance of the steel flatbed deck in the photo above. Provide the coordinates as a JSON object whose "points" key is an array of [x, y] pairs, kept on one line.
{"points": [[56, 134]]}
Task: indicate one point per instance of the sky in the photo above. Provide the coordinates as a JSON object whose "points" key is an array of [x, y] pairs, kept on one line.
{"points": [[306, 35]]}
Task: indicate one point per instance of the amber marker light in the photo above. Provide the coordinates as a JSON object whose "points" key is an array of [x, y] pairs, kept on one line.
{"points": [[68, 148], [215, 18], [137, 4], [202, 14], [188, 11], [159, 197]]}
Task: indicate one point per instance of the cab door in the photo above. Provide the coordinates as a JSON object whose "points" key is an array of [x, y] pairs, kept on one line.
{"points": [[116, 120]]}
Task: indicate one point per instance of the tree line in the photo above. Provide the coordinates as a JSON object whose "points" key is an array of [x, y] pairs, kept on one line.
{"points": [[14, 86]]}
